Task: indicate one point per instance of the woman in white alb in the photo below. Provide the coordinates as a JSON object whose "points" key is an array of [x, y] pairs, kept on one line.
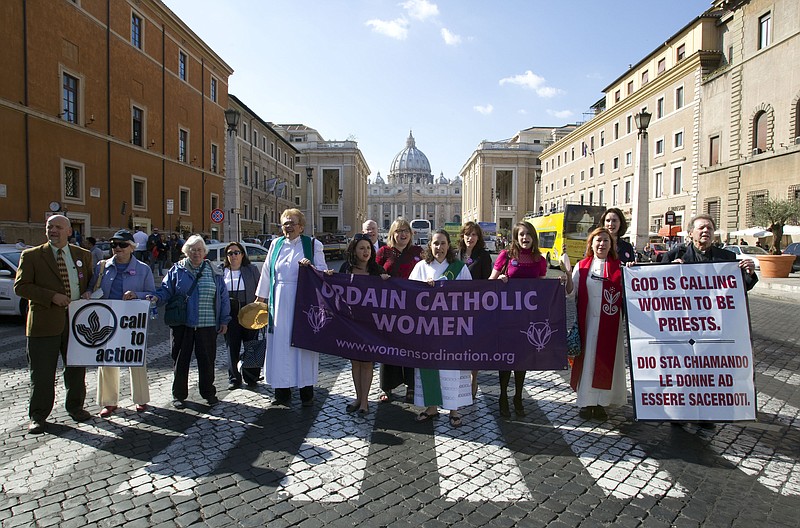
{"points": [[287, 366], [440, 262]]}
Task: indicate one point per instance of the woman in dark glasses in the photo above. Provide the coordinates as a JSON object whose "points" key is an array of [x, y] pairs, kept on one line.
{"points": [[241, 278]]}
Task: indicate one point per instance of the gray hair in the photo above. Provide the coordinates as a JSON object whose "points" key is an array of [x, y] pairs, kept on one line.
{"points": [[702, 216], [194, 241]]}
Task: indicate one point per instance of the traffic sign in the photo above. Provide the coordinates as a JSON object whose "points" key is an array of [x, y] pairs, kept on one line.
{"points": [[217, 216]]}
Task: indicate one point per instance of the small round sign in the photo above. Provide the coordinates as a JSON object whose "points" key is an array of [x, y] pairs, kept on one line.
{"points": [[217, 216]]}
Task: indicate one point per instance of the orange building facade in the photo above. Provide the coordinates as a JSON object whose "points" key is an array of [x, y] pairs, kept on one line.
{"points": [[111, 111]]}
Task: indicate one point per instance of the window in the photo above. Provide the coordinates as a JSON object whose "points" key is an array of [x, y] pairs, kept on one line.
{"points": [[602, 169], [681, 54], [760, 132], [662, 66], [69, 105], [630, 87], [255, 138], [136, 30], [245, 175], [182, 65], [591, 172], [137, 124], [677, 180], [139, 193], [255, 178], [183, 200], [645, 77], [713, 150], [660, 108], [246, 215], [602, 137], [615, 163], [658, 185], [617, 96], [628, 158], [678, 97], [614, 189], [616, 130], [214, 201], [591, 197], [712, 207], [214, 157], [600, 200], [677, 140], [183, 145], [73, 182], [764, 30], [627, 192], [628, 124], [213, 90], [659, 146], [297, 181]]}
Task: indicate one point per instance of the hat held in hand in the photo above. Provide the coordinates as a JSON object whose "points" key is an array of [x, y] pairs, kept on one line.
{"points": [[254, 315]]}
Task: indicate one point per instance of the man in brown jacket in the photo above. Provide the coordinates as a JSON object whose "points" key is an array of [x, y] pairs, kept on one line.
{"points": [[50, 276]]}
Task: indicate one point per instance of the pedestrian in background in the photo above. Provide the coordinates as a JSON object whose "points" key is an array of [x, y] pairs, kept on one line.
{"points": [[207, 315], [288, 366], [121, 277], [522, 260], [97, 253], [241, 279], [598, 373], [398, 257], [370, 228], [140, 237], [449, 389], [50, 276], [472, 251]]}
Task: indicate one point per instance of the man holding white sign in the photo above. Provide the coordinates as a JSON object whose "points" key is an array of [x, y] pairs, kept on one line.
{"points": [[691, 353]]}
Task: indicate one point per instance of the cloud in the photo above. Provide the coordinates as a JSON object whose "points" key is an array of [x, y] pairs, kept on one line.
{"points": [[485, 110], [420, 9], [561, 114], [451, 39], [396, 29], [533, 82]]}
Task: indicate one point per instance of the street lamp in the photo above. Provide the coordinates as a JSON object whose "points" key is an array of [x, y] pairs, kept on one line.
{"points": [[232, 197], [232, 118], [310, 181], [641, 218]]}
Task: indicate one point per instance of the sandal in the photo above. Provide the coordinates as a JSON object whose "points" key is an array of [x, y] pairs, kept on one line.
{"points": [[386, 397], [455, 421], [425, 417]]}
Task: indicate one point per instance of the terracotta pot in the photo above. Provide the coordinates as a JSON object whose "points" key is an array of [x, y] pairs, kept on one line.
{"points": [[775, 266]]}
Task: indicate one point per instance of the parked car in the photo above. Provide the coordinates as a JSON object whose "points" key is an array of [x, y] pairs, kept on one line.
{"points": [[255, 252], [793, 249], [491, 243], [747, 252], [334, 246], [105, 247], [10, 302], [659, 249]]}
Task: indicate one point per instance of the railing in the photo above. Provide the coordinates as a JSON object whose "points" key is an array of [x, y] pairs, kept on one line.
{"points": [[500, 145], [328, 208]]}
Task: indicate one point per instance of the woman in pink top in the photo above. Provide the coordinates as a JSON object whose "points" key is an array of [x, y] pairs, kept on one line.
{"points": [[521, 261]]}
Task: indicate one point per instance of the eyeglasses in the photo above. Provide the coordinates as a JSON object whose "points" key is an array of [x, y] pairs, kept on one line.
{"points": [[599, 278], [403, 231], [289, 224], [361, 236], [119, 245], [233, 253]]}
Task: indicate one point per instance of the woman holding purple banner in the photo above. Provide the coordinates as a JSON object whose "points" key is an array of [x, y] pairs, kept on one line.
{"points": [[598, 373], [449, 389], [359, 259], [522, 260], [398, 257]]}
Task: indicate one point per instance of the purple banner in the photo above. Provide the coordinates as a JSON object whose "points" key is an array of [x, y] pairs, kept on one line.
{"points": [[455, 325]]}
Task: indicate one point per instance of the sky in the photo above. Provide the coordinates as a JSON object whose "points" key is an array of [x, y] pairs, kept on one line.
{"points": [[452, 72]]}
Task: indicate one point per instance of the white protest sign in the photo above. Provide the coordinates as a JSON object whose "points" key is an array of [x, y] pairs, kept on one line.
{"points": [[689, 333], [105, 333]]}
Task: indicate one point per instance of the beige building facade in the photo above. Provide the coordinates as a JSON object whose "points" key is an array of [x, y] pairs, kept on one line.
{"points": [[750, 126], [112, 112], [410, 190], [333, 193]]}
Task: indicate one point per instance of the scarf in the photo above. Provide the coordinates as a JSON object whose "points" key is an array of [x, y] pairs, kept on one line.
{"points": [[308, 252], [610, 313]]}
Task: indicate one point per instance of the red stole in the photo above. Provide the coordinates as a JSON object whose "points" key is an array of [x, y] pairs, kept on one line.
{"points": [[610, 313]]}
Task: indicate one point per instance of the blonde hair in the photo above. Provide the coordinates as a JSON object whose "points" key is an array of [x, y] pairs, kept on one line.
{"points": [[399, 223], [301, 218]]}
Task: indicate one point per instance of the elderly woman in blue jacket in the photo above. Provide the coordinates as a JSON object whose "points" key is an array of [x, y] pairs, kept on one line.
{"points": [[121, 277], [208, 314]]}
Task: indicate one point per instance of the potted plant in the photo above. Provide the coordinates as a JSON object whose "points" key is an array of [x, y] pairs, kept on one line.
{"points": [[774, 214]]}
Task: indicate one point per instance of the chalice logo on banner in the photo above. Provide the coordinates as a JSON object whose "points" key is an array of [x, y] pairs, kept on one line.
{"points": [[318, 317], [539, 334], [94, 325]]}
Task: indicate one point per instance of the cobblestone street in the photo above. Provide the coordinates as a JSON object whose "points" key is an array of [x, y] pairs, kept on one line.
{"points": [[246, 463]]}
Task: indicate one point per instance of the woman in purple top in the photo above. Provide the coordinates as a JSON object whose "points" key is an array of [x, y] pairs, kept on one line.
{"points": [[521, 261]]}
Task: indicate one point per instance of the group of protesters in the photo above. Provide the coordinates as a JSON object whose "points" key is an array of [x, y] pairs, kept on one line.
{"points": [[50, 277]]}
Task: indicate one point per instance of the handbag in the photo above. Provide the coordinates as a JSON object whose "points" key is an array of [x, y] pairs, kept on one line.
{"points": [[574, 341], [177, 309], [255, 351]]}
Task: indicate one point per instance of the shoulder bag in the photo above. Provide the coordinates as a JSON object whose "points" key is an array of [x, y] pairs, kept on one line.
{"points": [[176, 311], [255, 351]]}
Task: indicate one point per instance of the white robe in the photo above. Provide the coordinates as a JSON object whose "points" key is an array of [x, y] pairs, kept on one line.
{"points": [[588, 396], [456, 384], [286, 366]]}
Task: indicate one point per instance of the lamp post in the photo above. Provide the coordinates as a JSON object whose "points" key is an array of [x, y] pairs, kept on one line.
{"points": [[537, 189], [232, 197], [641, 218], [340, 205], [310, 181]]}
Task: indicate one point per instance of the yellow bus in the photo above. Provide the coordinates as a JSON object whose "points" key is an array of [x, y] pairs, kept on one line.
{"points": [[572, 225]]}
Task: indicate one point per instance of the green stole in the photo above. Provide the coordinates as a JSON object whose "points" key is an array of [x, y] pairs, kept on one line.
{"points": [[308, 252], [431, 386]]}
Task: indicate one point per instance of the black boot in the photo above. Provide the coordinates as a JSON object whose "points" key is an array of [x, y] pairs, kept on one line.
{"points": [[505, 377], [307, 395], [282, 397], [519, 382]]}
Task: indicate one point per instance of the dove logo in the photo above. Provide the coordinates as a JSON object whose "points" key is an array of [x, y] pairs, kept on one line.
{"points": [[94, 325]]}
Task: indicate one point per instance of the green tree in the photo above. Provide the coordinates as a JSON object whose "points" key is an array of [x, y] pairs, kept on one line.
{"points": [[774, 214]]}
